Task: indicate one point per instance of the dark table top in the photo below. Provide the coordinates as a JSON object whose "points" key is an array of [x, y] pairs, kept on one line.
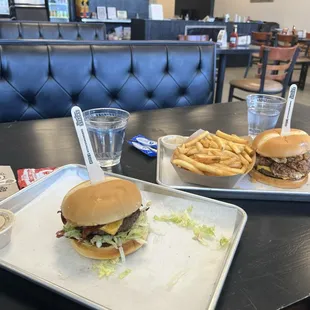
{"points": [[246, 49], [304, 40], [271, 266]]}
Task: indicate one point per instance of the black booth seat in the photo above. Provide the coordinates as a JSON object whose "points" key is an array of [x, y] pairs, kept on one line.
{"points": [[52, 31], [45, 81]]}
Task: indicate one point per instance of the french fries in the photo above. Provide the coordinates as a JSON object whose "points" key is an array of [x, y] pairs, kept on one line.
{"points": [[193, 142], [207, 159], [217, 154], [186, 165], [232, 138]]}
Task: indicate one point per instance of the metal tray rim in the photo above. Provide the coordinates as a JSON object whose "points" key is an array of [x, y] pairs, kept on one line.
{"points": [[228, 259]]}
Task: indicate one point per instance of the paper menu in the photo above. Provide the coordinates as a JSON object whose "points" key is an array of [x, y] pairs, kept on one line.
{"points": [[112, 13], [8, 189], [156, 12]]}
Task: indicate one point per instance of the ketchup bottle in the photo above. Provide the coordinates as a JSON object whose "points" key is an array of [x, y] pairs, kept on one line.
{"points": [[234, 37]]}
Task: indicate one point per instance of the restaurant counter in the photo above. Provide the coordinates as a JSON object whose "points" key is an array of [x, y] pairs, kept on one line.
{"points": [[147, 29]]}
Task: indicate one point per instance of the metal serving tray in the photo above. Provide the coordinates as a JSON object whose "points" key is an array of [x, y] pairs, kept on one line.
{"points": [[245, 189], [172, 271]]}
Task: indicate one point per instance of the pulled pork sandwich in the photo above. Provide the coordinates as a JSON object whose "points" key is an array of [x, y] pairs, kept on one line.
{"points": [[104, 220], [282, 161]]}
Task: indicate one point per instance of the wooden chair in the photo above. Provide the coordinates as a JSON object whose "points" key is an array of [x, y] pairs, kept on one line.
{"points": [[286, 40], [273, 75], [259, 39], [182, 37], [302, 65]]}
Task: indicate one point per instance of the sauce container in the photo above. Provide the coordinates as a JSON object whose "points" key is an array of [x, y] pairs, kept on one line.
{"points": [[171, 142], [6, 224]]}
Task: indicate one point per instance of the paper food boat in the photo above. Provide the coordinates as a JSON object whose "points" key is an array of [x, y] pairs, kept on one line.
{"points": [[211, 181]]}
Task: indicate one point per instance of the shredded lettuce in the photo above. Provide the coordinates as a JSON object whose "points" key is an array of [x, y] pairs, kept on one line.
{"points": [[183, 219], [224, 242], [175, 279], [137, 232], [106, 268], [71, 231], [124, 274], [203, 232]]}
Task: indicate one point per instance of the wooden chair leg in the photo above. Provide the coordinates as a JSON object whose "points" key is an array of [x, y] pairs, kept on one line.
{"points": [[231, 94], [250, 63]]}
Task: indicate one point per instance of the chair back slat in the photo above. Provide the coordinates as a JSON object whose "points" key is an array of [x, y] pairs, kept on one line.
{"points": [[282, 67], [286, 40], [278, 53], [278, 63], [261, 38]]}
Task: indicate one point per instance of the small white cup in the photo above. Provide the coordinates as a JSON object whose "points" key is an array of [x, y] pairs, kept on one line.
{"points": [[6, 224], [171, 142]]}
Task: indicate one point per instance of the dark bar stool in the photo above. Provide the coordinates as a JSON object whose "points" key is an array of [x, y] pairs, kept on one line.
{"points": [[259, 39], [274, 72]]}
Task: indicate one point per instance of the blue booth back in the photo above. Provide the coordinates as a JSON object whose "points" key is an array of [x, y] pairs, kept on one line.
{"points": [[45, 81]]}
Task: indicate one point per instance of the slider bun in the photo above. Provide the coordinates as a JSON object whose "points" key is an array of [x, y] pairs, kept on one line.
{"points": [[270, 143], [106, 252], [101, 203]]}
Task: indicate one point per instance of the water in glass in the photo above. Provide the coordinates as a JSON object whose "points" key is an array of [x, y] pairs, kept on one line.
{"points": [[106, 133], [261, 119], [263, 112]]}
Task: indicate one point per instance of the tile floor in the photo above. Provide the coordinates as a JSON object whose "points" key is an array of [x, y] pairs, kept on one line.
{"points": [[237, 73]]}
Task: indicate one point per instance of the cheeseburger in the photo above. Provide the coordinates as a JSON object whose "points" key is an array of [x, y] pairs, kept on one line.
{"points": [[282, 161], [104, 220]]}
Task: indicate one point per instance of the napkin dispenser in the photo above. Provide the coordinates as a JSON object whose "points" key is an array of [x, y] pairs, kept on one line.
{"points": [[222, 38], [244, 40]]}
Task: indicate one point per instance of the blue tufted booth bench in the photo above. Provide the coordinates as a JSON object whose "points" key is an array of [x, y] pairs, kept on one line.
{"points": [[13, 30], [40, 81]]}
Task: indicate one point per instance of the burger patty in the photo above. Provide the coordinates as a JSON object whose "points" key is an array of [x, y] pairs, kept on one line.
{"points": [[266, 172], [282, 171], [129, 221], [263, 161], [302, 166], [293, 168], [89, 231]]}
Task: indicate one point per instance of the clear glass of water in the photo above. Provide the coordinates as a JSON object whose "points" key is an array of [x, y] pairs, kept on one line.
{"points": [[106, 129], [263, 112]]}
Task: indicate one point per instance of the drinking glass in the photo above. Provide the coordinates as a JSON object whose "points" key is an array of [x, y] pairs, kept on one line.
{"points": [[263, 112], [106, 129]]}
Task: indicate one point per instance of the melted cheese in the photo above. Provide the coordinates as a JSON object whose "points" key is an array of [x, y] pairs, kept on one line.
{"points": [[112, 228], [263, 167]]}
